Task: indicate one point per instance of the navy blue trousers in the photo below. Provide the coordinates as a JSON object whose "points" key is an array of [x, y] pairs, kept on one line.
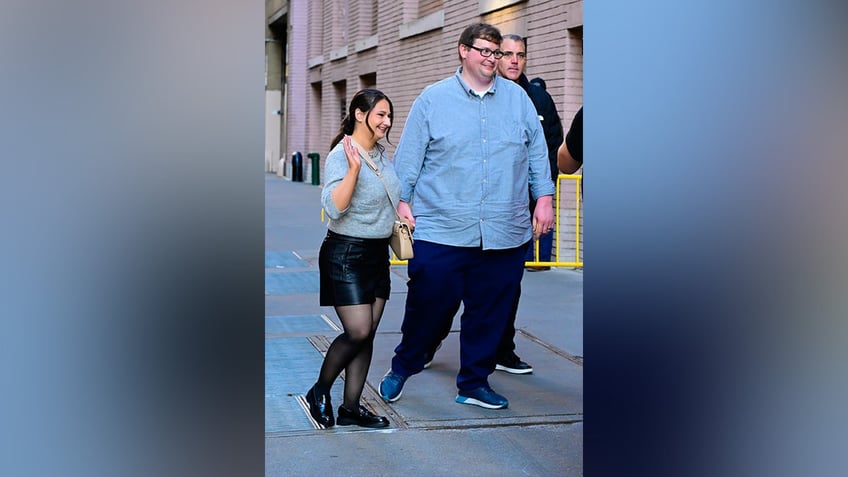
{"points": [[440, 278], [546, 247]]}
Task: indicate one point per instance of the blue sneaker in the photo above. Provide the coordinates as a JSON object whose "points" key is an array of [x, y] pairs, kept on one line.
{"points": [[483, 397], [391, 386]]}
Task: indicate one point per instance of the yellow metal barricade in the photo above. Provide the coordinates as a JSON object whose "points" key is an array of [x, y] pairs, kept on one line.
{"points": [[568, 224]]}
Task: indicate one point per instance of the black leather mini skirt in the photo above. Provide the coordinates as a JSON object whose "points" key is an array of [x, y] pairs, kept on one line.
{"points": [[354, 271]]}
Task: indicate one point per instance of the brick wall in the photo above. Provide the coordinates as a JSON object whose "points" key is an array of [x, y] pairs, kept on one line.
{"points": [[404, 66]]}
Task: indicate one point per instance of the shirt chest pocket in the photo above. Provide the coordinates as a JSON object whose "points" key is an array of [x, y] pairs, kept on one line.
{"points": [[509, 137]]}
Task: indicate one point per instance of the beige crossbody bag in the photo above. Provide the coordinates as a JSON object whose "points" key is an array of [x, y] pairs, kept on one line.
{"points": [[401, 239]]}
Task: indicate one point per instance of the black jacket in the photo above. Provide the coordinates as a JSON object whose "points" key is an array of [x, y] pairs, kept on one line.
{"points": [[551, 124]]}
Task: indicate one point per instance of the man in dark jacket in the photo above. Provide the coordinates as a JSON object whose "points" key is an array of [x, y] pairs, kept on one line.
{"points": [[511, 66]]}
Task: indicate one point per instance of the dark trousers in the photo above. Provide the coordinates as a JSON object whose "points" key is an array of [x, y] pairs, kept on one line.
{"points": [[507, 344], [546, 247], [440, 278], [546, 241]]}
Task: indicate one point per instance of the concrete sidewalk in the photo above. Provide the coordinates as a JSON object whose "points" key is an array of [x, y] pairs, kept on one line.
{"points": [[540, 434]]}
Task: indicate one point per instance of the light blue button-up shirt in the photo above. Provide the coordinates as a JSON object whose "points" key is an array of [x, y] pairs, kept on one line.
{"points": [[465, 164]]}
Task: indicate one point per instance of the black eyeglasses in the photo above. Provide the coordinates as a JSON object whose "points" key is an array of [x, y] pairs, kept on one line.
{"points": [[520, 55], [485, 52]]}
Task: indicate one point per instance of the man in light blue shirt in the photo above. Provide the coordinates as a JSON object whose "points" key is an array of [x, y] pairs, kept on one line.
{"points": [[470, 148]]}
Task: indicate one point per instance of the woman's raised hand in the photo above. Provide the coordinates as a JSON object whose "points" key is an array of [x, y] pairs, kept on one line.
{"points": [[352, 153]]}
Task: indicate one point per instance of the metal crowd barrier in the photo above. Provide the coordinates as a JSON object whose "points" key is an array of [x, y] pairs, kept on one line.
{"points": [[565, 230]]}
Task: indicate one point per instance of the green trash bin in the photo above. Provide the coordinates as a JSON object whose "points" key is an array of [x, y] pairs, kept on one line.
{"points": [[316, 168]]}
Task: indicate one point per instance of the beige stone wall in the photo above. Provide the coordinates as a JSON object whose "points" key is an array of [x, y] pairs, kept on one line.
{"points": [[272, 6], [272, 131]]}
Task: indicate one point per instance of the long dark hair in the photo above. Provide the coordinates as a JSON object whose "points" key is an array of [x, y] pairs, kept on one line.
{"points": [[364, 100]]}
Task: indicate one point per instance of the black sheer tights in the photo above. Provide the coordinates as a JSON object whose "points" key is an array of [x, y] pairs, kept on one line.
{"points": [[351, 351]]}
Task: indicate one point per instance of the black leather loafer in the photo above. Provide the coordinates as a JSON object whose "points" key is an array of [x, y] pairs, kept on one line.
{"points": [[320, 407], [361, 417]]}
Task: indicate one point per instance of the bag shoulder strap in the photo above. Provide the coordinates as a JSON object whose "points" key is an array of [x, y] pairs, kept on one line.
{"points": [[365, 157]]}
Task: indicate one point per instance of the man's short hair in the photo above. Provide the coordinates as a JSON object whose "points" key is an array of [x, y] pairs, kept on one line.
{"points": [[479, 30], [514, 37]]}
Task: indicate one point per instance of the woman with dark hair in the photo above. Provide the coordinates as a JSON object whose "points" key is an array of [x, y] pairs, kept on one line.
{"points": [[354, 257]]}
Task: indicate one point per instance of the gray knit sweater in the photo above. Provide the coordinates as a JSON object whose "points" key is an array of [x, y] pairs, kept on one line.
{"points": [[370, 214]]}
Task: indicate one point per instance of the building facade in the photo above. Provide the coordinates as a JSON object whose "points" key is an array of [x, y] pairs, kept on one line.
{"points": [[320, 52]]}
